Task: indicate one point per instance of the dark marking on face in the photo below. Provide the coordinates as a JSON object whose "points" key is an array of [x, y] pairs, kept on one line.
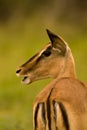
{"points": [[30, 59]]}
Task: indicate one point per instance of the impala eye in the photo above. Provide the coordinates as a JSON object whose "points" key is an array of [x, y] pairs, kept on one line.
{"points": [[47, 53]]}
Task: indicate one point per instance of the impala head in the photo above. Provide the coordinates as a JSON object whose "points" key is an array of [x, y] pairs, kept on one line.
{"points": [[54, 60]]}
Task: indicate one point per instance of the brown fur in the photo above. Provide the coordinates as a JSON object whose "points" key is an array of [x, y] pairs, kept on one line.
{"points": [[62, 105]]}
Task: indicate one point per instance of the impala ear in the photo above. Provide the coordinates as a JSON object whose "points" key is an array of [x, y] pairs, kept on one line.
{"points": [[57, 42]]}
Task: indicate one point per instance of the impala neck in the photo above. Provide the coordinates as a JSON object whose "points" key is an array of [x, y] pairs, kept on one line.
{"points": [[68, 70]]}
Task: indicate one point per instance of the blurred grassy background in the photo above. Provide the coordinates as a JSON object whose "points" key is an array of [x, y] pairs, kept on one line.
{"points": [[22, 34]]}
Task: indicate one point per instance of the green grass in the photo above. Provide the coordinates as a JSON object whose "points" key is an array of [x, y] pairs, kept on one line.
{"points": [[19, 40]]}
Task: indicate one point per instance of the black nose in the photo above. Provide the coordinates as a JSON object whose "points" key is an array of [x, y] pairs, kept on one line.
{"points": [[18, 71]]}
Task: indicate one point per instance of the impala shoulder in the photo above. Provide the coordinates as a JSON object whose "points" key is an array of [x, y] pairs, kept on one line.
{"points": [[70, 90], [43, 95], [69, 81]]}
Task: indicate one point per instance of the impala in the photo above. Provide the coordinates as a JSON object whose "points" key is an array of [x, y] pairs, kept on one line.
{"points": [[62, 104]]}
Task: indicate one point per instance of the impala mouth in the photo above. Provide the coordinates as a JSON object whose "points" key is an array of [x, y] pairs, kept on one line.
{"points": [[26, 80]]}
